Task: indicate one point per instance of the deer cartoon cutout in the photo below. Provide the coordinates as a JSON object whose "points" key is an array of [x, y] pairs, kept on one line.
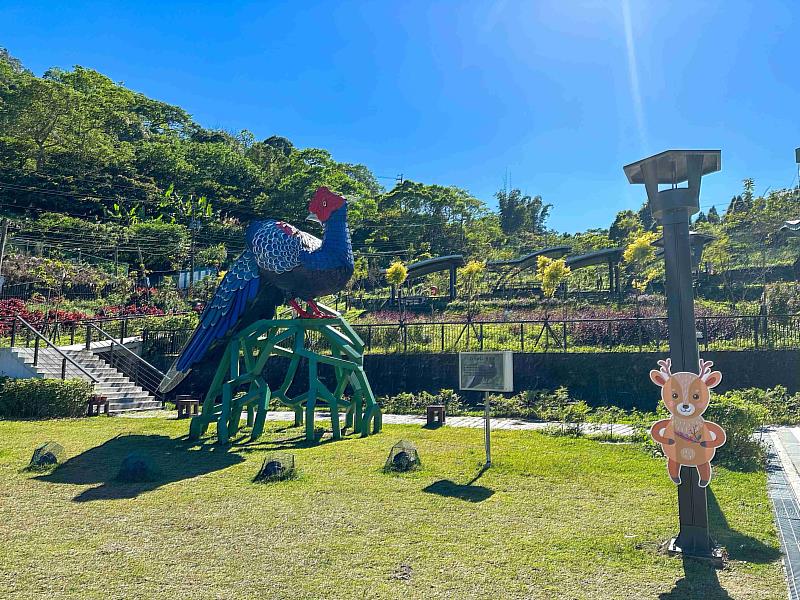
{"points": [[686, 438]]}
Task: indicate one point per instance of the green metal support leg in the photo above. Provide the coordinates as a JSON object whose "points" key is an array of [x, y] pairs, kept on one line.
{"points": [[246, 361]]}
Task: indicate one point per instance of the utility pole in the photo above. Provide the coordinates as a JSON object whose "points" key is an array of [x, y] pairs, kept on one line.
{"points": [[673, 208], [3, 238], [797, 160], [399, 179], [191, 254]]}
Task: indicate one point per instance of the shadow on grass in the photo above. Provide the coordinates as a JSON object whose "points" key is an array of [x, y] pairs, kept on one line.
{"points": [[700, 579], [468, 491], [170, 457], [738, 545], [699, 582]]}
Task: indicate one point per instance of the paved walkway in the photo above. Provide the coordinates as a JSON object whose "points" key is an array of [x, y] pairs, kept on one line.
{"points": [[783, 484], [471, 422]]}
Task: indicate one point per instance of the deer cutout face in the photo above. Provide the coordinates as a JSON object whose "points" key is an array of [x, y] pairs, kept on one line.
{"points": [[686, 394]]}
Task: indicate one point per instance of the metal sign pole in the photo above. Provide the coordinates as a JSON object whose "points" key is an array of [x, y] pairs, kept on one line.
{"points": [[672, 208], [486, 428]]}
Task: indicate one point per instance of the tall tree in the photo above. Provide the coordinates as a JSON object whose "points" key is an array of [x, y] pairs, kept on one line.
{"points": [[625, 227], [520, 212]]}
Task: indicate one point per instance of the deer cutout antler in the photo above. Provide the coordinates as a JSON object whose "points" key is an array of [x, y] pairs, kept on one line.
{"points": [[666, 367], [705, 369]]}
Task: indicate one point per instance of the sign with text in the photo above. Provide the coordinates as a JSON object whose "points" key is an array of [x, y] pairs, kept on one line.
{"points": [[486, 371]]}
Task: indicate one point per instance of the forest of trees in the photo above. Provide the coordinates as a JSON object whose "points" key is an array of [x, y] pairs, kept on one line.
{"points": [[88, 166]]}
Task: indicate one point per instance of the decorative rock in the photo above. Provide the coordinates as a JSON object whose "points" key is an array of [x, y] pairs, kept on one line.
{"points": [[402, 457], [276, 467], [46, 455], [135, 468]]}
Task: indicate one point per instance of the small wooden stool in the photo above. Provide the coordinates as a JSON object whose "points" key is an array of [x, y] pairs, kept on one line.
{"points": [[436, 414], [96, 403], [187, 406]]}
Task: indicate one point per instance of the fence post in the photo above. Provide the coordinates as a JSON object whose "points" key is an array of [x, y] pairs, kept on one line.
{"points": [[14, 332], [442, 337], [522, 337], [172, 342], [405, 338], [639, 328], [88, 336], [123, 330], [755, 332], [72, 334], [36, 351], [369, 337], [480, 334], [63, 369], [705, 334], [564, 334]]}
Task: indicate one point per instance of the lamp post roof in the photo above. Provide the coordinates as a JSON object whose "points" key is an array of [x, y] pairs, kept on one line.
{"points": [[671, 165]]}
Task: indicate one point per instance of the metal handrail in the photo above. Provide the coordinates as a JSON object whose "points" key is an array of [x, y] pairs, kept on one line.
{"points": [[56, 348], [128, 350]]}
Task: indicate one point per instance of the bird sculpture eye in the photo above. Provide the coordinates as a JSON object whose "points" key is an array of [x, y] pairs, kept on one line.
{"points": [[674, 395], [324, 203], [695, 396]]}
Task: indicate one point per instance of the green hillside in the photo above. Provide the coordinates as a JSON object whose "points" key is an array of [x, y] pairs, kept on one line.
{"points": [[94, 170]]}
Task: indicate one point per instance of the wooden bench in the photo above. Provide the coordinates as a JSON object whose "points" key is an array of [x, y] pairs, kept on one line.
{"points": [[436, 414], [187, 406], [96, 404]]}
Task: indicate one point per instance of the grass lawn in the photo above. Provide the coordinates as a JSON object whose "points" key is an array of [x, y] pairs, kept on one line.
{"points": [[553, 518]]}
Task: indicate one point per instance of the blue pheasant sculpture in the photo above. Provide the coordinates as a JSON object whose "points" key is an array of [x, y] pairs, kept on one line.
{"points": [[280, 264]]}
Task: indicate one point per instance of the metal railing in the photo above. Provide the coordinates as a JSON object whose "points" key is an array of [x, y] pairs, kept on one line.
{"points": [[125, 360], [68, 333], [44, 358], [642, 334]]}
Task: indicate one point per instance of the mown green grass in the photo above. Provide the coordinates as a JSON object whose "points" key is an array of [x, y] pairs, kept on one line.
{"points": [[553, 518]]}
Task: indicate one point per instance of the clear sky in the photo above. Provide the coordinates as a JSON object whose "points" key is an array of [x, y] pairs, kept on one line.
{"points": [[559, 94]]}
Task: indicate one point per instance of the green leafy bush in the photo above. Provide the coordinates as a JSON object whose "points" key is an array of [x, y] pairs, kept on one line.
{"points": [[548, 405], [43, 398], [740, 419], [168, 298], [407, 403], [782, 408], [782, 298], [511, 406]]}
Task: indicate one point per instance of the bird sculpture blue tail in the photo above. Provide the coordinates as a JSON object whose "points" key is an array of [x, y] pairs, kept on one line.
{"points": [[242, 290]]}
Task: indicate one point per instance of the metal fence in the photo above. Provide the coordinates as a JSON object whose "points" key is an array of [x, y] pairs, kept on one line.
{"points": [[570, 335], [67, 333]]}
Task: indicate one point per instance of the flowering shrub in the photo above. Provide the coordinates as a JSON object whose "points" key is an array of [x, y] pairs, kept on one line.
{"points": [[39, 318]]}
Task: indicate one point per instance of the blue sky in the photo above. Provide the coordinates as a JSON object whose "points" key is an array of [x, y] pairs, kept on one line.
{"points": [[559, 94]]}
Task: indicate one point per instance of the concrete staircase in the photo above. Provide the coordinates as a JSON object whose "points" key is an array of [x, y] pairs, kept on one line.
{"points": [[123, 395]]}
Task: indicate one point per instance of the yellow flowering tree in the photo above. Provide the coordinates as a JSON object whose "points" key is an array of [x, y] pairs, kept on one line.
{"points": [[552, 273], [639, 260]]}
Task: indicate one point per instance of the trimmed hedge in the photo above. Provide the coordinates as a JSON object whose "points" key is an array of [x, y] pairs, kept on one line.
{"points": [[43, 398]]}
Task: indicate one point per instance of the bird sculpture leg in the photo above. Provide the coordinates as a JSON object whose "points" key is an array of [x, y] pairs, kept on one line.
{"points": [[300, 311], [317, 312]]}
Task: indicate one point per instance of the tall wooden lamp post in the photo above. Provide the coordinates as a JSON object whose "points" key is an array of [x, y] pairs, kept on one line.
{"points": [[672, 208]]}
